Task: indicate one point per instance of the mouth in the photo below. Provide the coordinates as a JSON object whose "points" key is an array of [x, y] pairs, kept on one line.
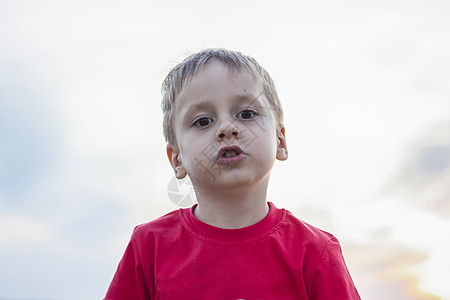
{"points": [[230, 154]]}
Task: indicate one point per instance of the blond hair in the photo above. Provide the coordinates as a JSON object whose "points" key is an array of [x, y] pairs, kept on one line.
{"points": [[180, 74]]}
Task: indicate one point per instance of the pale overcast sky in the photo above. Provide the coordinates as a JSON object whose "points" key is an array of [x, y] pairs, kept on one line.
{"points": [[365, 89]]}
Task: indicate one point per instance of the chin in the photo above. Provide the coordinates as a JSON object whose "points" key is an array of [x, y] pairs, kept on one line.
{"points": [[235, 179]]}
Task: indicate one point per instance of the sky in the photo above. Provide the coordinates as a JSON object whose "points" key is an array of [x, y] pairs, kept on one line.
{"points": [[365, 89]]}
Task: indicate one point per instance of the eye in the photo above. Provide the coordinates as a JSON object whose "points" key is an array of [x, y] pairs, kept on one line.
{"points": [[246, 114], [202, 122]]}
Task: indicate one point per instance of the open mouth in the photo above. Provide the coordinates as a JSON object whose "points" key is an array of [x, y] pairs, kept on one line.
{"points": [[230, 154]]}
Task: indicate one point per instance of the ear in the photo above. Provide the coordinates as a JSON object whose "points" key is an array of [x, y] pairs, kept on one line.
{"points": [[282, 152], [173, 154]]}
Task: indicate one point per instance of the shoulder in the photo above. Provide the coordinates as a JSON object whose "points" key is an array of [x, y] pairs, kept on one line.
{"points": [[162, 226], [302, 237], [297, 227], [322, 250]]}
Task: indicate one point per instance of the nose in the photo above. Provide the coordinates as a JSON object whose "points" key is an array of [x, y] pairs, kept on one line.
{"points": [[228, 130]]}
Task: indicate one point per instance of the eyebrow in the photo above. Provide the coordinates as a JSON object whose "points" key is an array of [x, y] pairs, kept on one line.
{"points": [[252, 98], [186, 112], [197, 106]]}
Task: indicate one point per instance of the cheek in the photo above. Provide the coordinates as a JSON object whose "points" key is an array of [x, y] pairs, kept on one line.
{"points": [[272, 142], [266, 147], [193, 153]]}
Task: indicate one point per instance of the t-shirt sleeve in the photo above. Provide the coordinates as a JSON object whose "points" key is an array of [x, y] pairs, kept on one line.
{"points": [[330, 278], [128, 282]]}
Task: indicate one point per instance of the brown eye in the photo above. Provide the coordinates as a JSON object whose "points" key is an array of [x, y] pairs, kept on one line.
{"points": [[202, 122], [246, 114]]}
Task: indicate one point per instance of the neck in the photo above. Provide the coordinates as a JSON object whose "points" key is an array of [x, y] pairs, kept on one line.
{"points": [[233, 208]]}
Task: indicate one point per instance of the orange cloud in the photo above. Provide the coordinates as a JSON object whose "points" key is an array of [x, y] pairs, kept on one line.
{"points": [[386, 271]]}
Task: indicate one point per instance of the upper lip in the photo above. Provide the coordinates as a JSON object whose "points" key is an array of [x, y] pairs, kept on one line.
{"points": [[229, 148]]}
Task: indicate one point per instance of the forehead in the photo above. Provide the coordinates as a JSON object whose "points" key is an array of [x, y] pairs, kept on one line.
{"points": [[218, 80]]}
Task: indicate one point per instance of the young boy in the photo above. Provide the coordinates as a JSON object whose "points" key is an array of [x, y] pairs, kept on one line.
{"points": [[223, 124]]}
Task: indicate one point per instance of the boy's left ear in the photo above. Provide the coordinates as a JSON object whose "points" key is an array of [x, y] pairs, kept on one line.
{"points": [[282, 152]]}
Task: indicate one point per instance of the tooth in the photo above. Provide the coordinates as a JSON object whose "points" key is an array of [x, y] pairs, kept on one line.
{"points": [[230, 153]]}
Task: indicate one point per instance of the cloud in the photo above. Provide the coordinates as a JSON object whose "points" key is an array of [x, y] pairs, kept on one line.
{"points": [[17, 231], [387, 271], [423, 175], [29, 130]]}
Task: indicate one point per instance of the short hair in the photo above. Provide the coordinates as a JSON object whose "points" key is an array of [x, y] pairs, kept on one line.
{"points": [[181, 73]]}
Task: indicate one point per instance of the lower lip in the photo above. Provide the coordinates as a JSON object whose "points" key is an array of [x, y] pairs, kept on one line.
{"points": [[231, 160]]}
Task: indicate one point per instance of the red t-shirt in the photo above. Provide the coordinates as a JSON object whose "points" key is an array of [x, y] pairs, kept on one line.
{"points": [[281, 257]]}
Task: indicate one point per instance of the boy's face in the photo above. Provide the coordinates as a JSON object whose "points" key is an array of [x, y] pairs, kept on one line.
{"points": [[226, 130]]}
